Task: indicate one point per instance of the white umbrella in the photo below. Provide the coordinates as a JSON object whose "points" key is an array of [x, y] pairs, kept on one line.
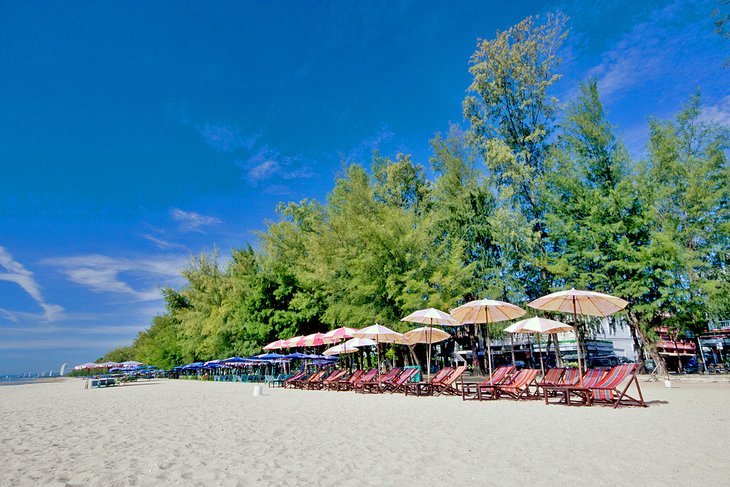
{"points": [[381, 334], [339, 350], [538, 325], [486, 311], [575, 301], [430, 316], [360, 342]]}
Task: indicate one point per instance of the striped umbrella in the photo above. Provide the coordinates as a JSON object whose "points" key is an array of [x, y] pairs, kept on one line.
{"points": [[277, 345], [430, 316], [313, 340]]}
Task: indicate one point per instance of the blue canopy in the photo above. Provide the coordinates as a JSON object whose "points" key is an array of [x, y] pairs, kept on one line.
{"points": [[231, 360], [267, 356], [295, 355]]}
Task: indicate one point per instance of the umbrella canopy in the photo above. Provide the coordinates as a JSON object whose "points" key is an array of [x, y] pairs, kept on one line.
{"points": [[340, 349], [381, 334], [291, 342], [430, 316], [426, 334], [234, 360], [267, 356], [130, 363], [338, 334], [313, 340], [275, 345], [88, 365], [297, 355], [360, 342], [589, 303], [487, 311], [538, 325]]}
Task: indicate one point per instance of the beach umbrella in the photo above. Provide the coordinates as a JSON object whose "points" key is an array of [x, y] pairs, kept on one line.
{"points": [[486, 311], [313, 340], [430, 316], [381, 334], [291, 342], [360, 342], [589, 303], [539, 326], [267, 356], [342, 333], [275, 345], [428, 335], [339, 350]]}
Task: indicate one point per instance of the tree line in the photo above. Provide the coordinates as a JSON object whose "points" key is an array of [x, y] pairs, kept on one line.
{"points": [[531, 196]]}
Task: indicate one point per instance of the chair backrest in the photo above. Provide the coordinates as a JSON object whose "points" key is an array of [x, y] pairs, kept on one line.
{"points": [[315, 377], [552, 376], [524, 376], [592, 377], [499, 375], [355, 376], [570, 377], [405, 376], [616, 375], [454, 375], [392, 374], [296, 376], [442, 375], [334, 376], [368, 376]]}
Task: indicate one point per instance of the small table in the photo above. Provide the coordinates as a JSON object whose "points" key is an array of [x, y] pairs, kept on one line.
{"points": [[419, 388], [585, 394]]}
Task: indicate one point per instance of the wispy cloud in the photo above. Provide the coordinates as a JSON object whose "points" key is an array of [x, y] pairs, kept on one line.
{"points": [[103, 274], [161, 243], [190, 221], [17, 273], [650, 50], [369, 144], [268, 163], [717, 113], [226, 138]]}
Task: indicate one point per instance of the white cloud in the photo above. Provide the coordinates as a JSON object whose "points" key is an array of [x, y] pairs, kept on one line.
{"points": [[102, 274], [226, 138], [21, 276], [161, 243], [191, 221], [269, 163], [717, 113]]}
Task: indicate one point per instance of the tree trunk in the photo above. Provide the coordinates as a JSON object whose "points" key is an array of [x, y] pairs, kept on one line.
{"points": [[650, 348], [473, 342]]}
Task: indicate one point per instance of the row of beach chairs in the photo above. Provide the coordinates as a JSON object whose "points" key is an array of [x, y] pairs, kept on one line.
{"points": [[397, 380], [597, 385], [565, 384]]}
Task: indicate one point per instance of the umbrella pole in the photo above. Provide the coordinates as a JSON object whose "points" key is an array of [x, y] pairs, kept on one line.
{"points": [[539, 350], [489, 348], [512, 344], [577, 343], [428, 359]]}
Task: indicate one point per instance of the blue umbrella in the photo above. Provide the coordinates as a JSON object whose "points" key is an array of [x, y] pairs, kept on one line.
{"points": [[295, 355], [267, 356], [233, 360]]}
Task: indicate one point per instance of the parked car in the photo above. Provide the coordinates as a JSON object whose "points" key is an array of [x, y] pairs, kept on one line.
{"points": [[603, 362]]}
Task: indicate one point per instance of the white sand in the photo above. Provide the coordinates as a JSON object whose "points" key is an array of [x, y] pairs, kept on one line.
{"points": [[209, 433]]}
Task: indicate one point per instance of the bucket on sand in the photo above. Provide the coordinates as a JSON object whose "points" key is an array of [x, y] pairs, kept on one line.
{"points": [[256, 390], [667, 383]]}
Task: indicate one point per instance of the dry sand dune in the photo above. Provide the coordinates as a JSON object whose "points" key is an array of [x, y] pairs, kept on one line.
{"points": [[207, 433]]}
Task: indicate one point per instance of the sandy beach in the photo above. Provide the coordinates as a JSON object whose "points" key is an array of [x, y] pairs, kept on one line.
{"points": [[166, 432]]}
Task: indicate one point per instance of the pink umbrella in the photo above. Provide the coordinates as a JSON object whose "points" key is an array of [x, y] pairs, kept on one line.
{"points": [[313, 340], [338, 334], [277, 345], [291, 342]]}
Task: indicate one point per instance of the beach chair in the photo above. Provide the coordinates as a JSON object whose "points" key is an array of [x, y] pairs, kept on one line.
{"points": [[447, 386], [582, 389], [296, 377], [424, 388], [470, 391], [607, 389], [519, 388], [335, 385], [312, 378], [375, 385], [399, 384], [319, 384], [351, 384], [551, 378]]}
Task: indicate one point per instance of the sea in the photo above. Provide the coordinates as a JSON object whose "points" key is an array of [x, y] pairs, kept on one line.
{"points": [[17, 379]]}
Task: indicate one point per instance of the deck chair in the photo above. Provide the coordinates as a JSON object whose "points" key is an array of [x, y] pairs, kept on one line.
{"points": [[350, 385], [470, 391], [334, 385], [399, 384], [519, 388], [333, 377], [424, 388], [375, 385], [607, 389], [551, 378], [296, 377], [312, 378], [319, 383], [590, 379], [447, 386]]}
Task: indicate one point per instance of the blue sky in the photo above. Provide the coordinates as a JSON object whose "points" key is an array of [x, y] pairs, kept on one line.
{"points": [[135, 134]]}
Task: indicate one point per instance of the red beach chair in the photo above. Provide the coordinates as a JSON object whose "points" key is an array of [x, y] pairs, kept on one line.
{"points": [[470, 392], [607, 389], [519, 388]]}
